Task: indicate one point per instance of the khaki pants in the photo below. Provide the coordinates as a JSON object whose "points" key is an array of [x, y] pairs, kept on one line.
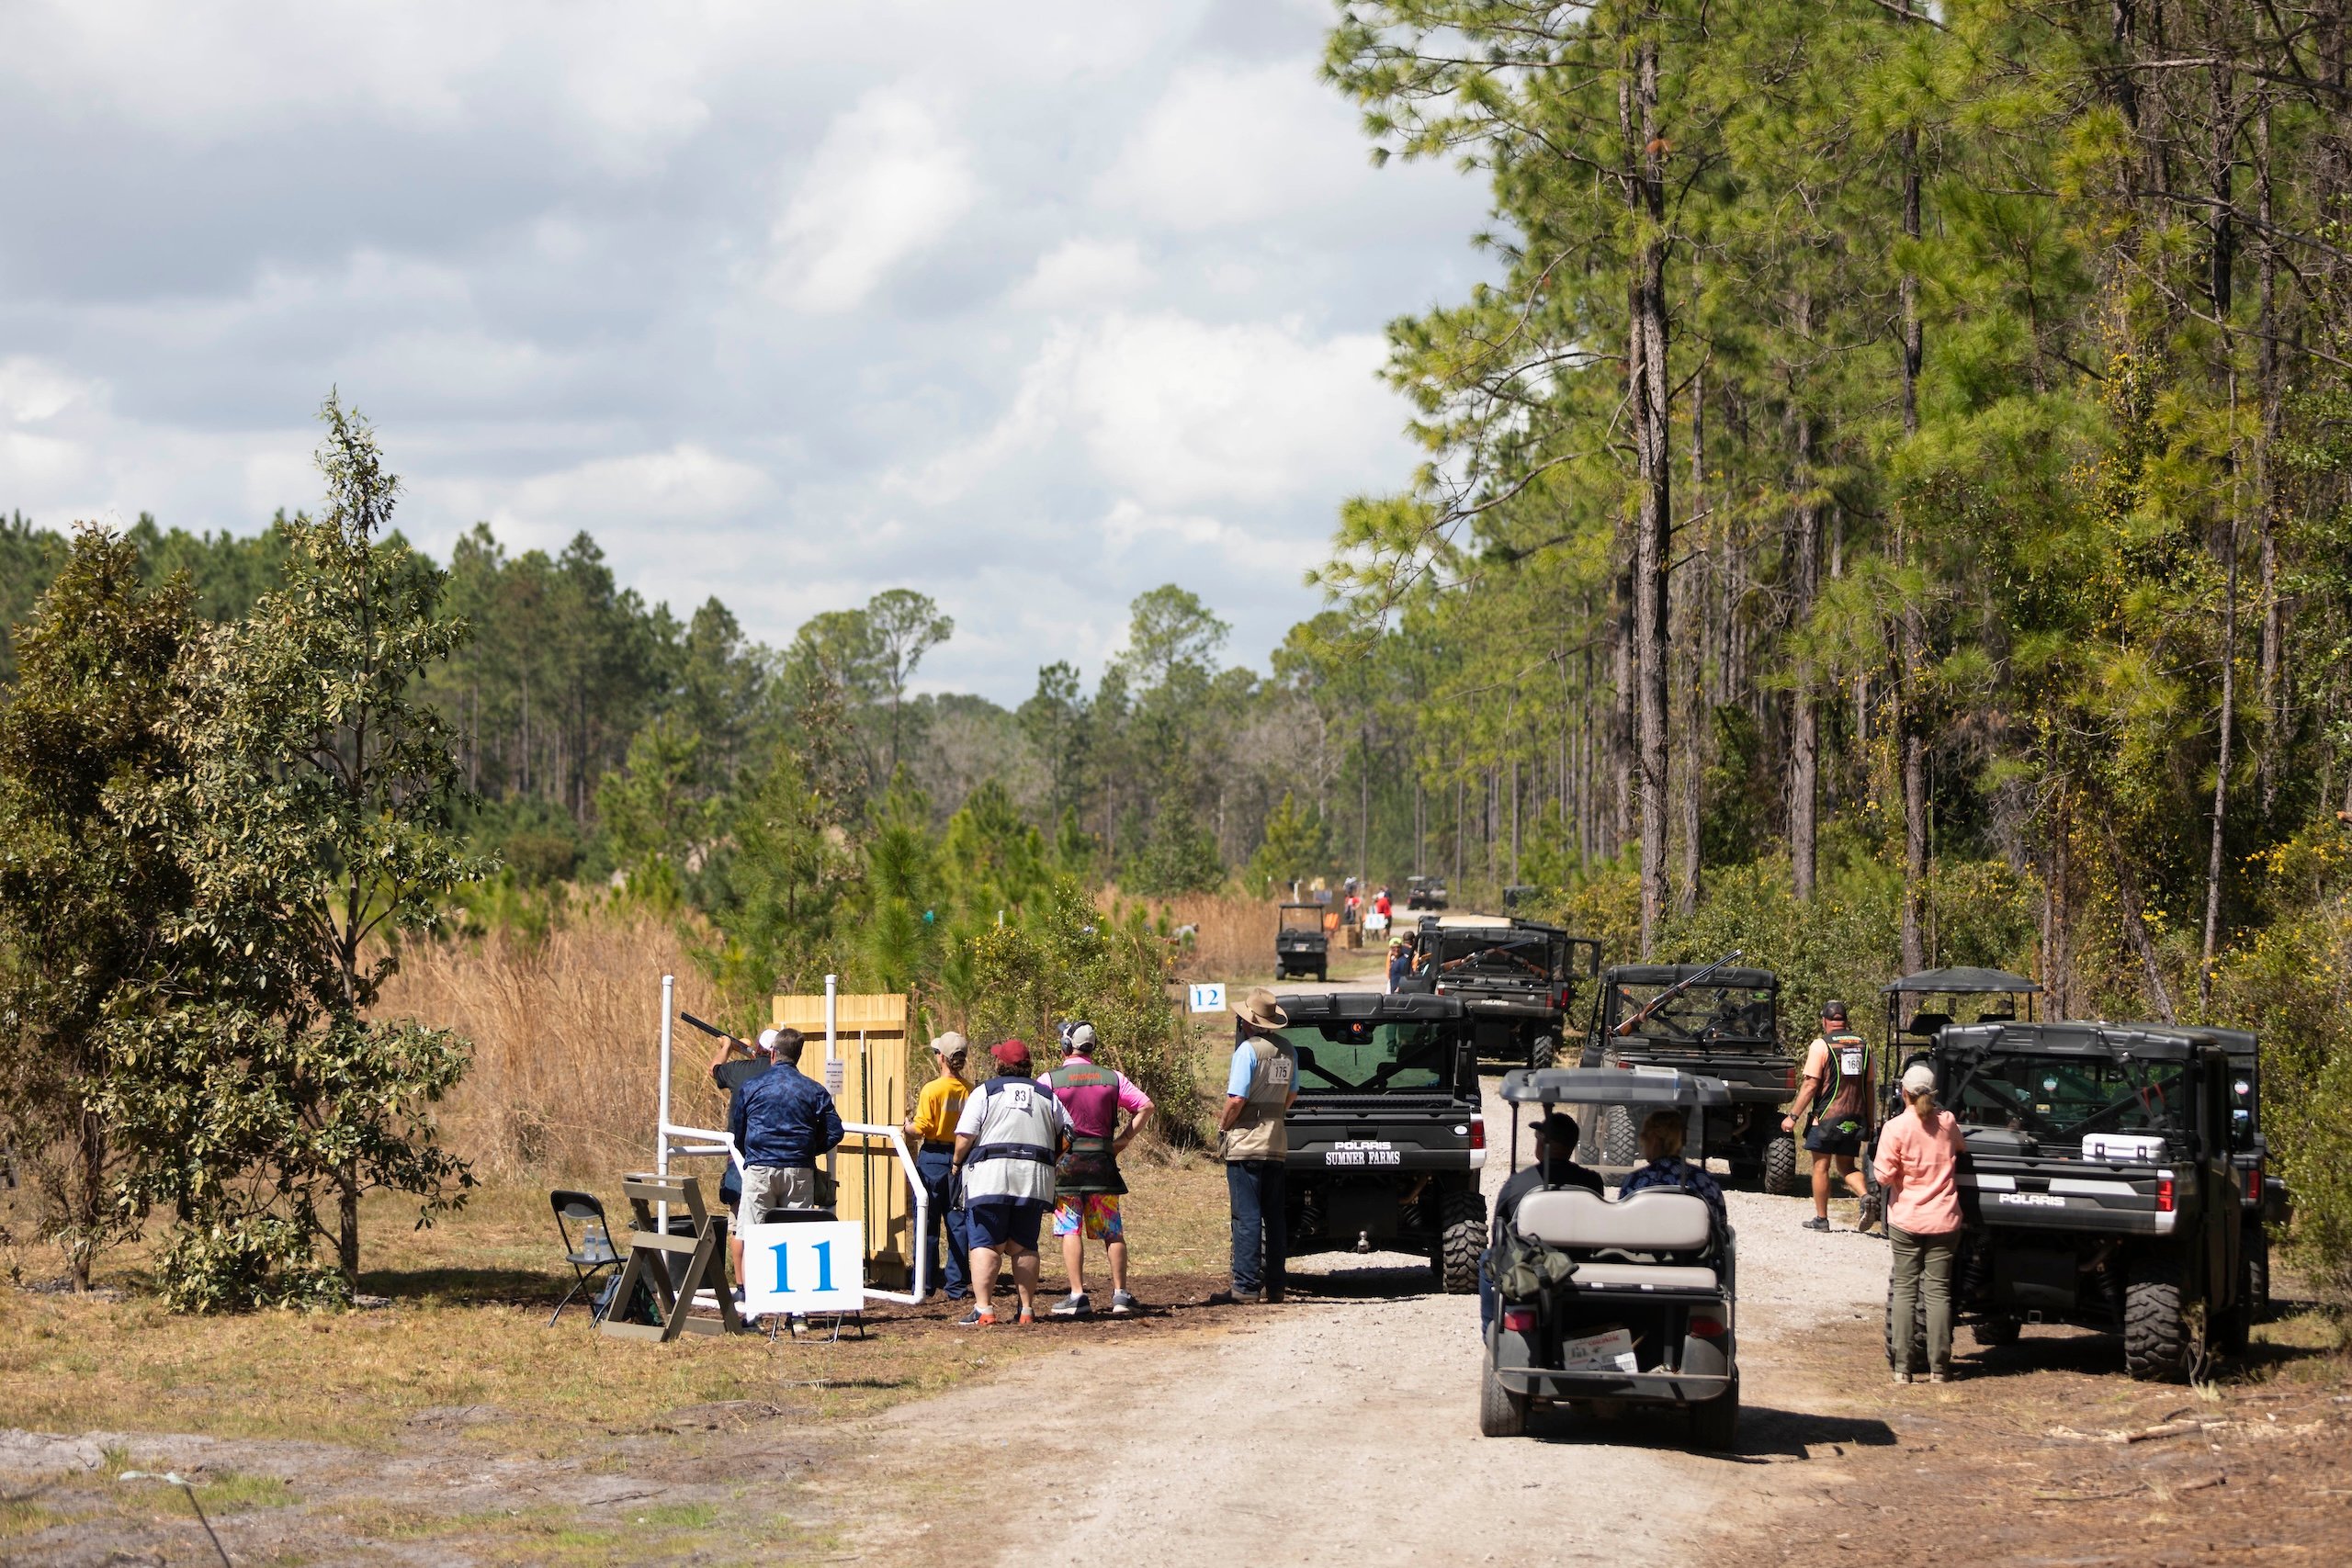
{"points": [[1922, 1263]]}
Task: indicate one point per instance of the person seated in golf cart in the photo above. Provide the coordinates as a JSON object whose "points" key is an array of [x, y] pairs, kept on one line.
{"points": [[1556, 1167], [1662, 1136]]}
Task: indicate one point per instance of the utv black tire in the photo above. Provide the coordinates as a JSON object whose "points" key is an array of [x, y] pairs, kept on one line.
{"points": [[1998, 1332], [1715, 1423], [1543, 1054], [1781, 1166], [1323, 972], [1462, 1240], [1620, 1142], [2157, 1343], [2256, 1283], [1918, 1331], [1501, 1412]]}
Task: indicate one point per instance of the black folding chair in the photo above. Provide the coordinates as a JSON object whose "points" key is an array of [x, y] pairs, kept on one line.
{"points": [[590, 1255], [806, 1217]]}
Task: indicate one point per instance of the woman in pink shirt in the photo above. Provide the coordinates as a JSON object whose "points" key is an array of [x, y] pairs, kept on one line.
{"points": [[1919, 1163]]}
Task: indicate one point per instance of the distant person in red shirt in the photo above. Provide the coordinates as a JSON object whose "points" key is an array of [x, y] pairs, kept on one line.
{"points": [[1381, 906]]}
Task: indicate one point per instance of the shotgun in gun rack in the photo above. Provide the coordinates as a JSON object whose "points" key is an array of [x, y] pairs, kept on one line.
{"points": [[1676, 989]]}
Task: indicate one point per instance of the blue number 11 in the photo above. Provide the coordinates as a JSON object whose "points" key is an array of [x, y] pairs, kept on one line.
{"points": [[824, 1251]]}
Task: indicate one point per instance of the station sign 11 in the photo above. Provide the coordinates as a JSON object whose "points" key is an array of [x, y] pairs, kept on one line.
{"points": [[818, 1267]]}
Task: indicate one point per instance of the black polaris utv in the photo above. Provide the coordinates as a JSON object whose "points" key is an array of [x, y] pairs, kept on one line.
{"points": [[2099, 1187], [1425, 893], [1516, 978], [1709, 1020], [2262, 1197], [1385, 1139], [1301, 945]]}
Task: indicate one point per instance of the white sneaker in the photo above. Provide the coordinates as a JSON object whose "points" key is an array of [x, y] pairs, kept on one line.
{"points": [[1901, 1379]]}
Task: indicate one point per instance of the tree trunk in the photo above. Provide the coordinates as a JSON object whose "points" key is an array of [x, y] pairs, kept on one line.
{"points": [[1805, 718], [1910, 727], [1653, 524], [346, 1182], [2266, 489], [1693, 596], [1621, 715], [2135, 924], [2221, 774]]}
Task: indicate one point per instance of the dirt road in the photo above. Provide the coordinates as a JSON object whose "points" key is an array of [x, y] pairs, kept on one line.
{"points": [[1341, 1426]]}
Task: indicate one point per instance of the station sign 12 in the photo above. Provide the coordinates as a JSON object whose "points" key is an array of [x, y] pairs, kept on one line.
{"points": [[818, 1267], [1208, 999]]}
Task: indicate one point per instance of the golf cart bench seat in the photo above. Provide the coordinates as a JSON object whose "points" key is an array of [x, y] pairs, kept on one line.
{"points": [[1654, 1222]]}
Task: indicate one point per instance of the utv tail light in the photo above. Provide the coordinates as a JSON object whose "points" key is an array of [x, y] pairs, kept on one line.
{"points": [[2254, 1185], [1706, 1327], [2163, 1194], [1478, 1132], [1519, 1320]]}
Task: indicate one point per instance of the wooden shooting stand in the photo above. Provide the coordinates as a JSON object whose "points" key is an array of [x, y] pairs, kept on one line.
{"points": [[648, 1263]]}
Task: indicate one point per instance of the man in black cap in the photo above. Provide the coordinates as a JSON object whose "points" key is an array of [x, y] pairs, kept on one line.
{"points": [[1837, 1080], [1554, 1166]]}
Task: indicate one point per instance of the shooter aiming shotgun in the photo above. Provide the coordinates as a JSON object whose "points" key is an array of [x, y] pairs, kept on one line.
{"points": [[1676, 989]]}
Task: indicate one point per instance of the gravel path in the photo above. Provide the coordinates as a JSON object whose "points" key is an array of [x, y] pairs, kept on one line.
{"points": [[1344, 1427]]}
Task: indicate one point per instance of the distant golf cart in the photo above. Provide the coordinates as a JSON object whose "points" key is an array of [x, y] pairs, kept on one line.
{"points": [[1424, 893], [1607, 1304], [1301, 944]]}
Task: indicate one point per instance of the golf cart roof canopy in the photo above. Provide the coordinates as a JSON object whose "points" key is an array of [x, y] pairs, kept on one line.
{"points": [[1302, 906], [2149, 1041], [1403, 1006], [1611, 1086], [1668, 974], [1963, 982]]}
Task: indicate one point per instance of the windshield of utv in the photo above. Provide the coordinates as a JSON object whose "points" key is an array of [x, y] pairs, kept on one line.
{"points": [[1702, 1015], [1307, 918], [1361, 1056], [1495, 955], [2057, 1100]]}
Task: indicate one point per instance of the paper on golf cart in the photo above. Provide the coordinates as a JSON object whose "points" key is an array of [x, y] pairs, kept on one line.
{"points": [[818, 1267], [1611, 1350]]}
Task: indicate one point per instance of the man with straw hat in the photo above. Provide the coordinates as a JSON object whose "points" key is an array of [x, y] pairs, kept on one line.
{"points": [[931, 1131], [1259, 1090]]}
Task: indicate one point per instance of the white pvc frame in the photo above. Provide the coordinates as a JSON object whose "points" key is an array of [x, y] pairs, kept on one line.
{"points": [[671, 1138]]}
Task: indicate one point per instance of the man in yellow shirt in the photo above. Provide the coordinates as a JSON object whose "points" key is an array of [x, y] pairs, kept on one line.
{"points": [[932, 1132]]}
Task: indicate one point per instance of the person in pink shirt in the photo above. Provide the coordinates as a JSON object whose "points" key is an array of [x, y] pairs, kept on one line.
{"points": [[1918, 1165], [1087, 1185]]}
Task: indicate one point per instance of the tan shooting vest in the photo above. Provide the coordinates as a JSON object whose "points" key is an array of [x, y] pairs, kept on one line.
{"points": [[1260, 1132]]}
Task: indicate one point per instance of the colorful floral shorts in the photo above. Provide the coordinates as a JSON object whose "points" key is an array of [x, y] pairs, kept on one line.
{"points": [[1101, 1216]]}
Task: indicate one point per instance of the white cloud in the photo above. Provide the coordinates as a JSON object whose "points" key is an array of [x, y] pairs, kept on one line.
{"points": [[1078, 275], [1226, 146], [743, 290], [884, 183], [31, 391], [687, 483], [1181, 413]]}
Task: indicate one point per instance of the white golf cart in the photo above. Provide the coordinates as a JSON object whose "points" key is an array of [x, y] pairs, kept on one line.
{"points": [[1606, 1303]]}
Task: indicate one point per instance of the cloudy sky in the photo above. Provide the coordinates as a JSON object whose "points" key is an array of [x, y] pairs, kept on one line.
{"points": [[1031, 307]]}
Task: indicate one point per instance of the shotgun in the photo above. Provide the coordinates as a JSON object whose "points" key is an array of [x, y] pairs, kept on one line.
{"points": [[1675, 990], [716, 1032]]}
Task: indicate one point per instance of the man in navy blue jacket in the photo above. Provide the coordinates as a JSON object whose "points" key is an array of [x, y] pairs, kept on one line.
{"points": [[782, 1120]]}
